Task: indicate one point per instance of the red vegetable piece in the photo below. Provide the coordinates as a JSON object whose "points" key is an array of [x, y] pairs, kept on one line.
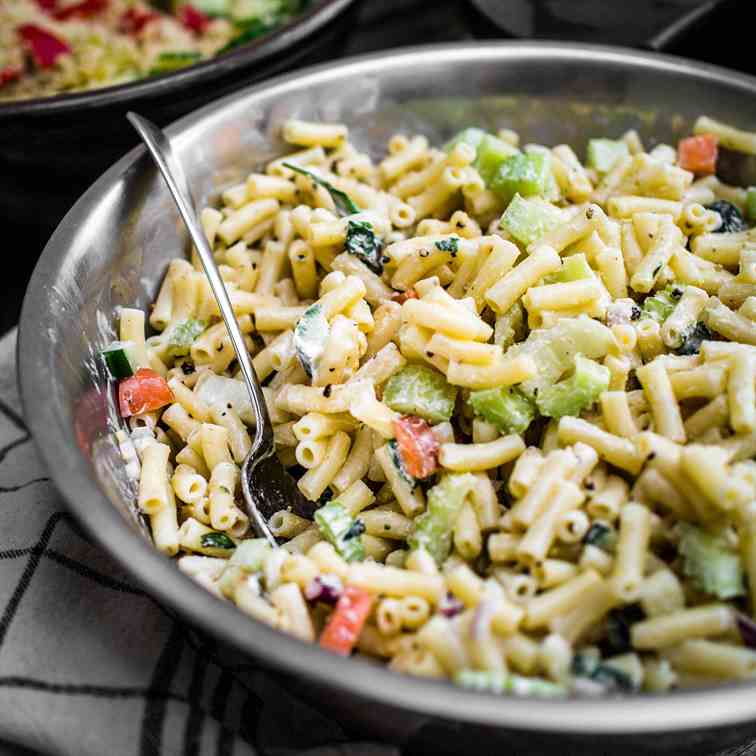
{"points": [[83, 9], [698, 153], [193, 19], [135, 19], [343, 629], [10, 74], [47, 5], [144, 391], [418, 446], [402, 296], [44, 46]]}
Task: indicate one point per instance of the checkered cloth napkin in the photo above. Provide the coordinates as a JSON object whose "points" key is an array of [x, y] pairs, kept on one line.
{"points": [[90, 665]]}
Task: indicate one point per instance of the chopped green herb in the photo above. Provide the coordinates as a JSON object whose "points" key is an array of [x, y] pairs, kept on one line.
{"points": [[362, 242], [448, 245], [216, 541], [342, 200]]}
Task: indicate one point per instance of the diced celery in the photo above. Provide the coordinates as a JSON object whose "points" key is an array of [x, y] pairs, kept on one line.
{"points": [[250, 554], [510, 326], [527, 220], [182, 335], [751, 204], [420, 390], [574, 268], [342, 530], [433, 528], [492, 154], [310, 337], [506, 408], [660, 306], [604, 153], [708, 561], [493, 681], [522, 174], [472, 136], [576, 393], [553, 349]]}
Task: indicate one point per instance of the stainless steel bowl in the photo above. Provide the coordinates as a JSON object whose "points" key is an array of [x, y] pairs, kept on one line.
{"points": [[112, 248]]}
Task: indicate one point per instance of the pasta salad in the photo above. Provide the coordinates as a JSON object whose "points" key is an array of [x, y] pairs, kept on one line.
{"points": [[519, 387], [49, 47]]}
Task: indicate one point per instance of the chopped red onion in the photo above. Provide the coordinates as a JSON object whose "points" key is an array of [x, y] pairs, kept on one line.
{"points": [[325, 588], [450, 606], [747, 629]]}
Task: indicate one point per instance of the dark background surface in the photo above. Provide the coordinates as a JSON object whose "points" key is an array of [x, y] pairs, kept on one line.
{"points": [[720, 38]]}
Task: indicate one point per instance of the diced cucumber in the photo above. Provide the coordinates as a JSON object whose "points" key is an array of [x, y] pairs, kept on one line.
{"points": [[604, 153], [523, 174], [433, 528], [574, 268], [182, 335], [493, 681], [660, 306], [506, 408], [250, 554], [472, 136], [554, 349], [576, 393], [310, 337], [342, 530], [420, 390], [119, 359], [492, 154], [527, 220], [712, 566]]}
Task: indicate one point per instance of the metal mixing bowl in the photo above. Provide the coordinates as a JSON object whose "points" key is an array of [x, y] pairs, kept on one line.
{"points": [[113, 246]]}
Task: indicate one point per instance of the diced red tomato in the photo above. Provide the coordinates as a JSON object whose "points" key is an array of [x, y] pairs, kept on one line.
{"points": [[10, 74], [44, 46], [403, 296], [135, 19], [698, 153], [193, 19], [343, 629], [144, 391], [83, 9], [417, 445]]}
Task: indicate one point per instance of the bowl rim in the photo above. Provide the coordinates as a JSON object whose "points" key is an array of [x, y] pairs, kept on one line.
{"points": [[645, 713], [281, 38]]}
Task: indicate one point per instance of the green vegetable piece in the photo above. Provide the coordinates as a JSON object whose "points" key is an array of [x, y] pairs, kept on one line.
{"points": [[604, 153], [396, 460], [213, 8], [216, 541], [250, 554], [420, 390], [711, 565], [448, 245], [554, 349], [182, 335], [362, 242], [660, 306], [433, 528], [492, 154], [119, 358], [613, 678], [342, 200], [584, 664], [340, 529], [173, 61], [692, 338], [523, 174], [490, 681], [527, 220], [751, 204], [576, 393], [510, 326], [249, 31], [574, 268], [472, 136], [310, 337], [505, 407], [602, 535]]}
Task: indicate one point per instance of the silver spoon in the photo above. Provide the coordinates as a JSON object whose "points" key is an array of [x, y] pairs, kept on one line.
{"points": [[266, 485]]}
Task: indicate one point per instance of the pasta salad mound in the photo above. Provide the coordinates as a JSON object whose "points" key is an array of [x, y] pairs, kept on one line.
{"points": [[520, 388]]}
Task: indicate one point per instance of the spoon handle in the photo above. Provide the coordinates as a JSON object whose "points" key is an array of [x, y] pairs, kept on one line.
{"points": [[160, 148]]}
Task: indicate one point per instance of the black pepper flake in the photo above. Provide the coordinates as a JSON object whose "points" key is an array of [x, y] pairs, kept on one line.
{"points": [[589, 213], [651, 457], [187, 368], [332, 370], [590, 485], [635, 313], [429, 355], [460, 224], [386, 526], [229, 405], [385, 259], [356, 530], [656, 270], [327, 391]]}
